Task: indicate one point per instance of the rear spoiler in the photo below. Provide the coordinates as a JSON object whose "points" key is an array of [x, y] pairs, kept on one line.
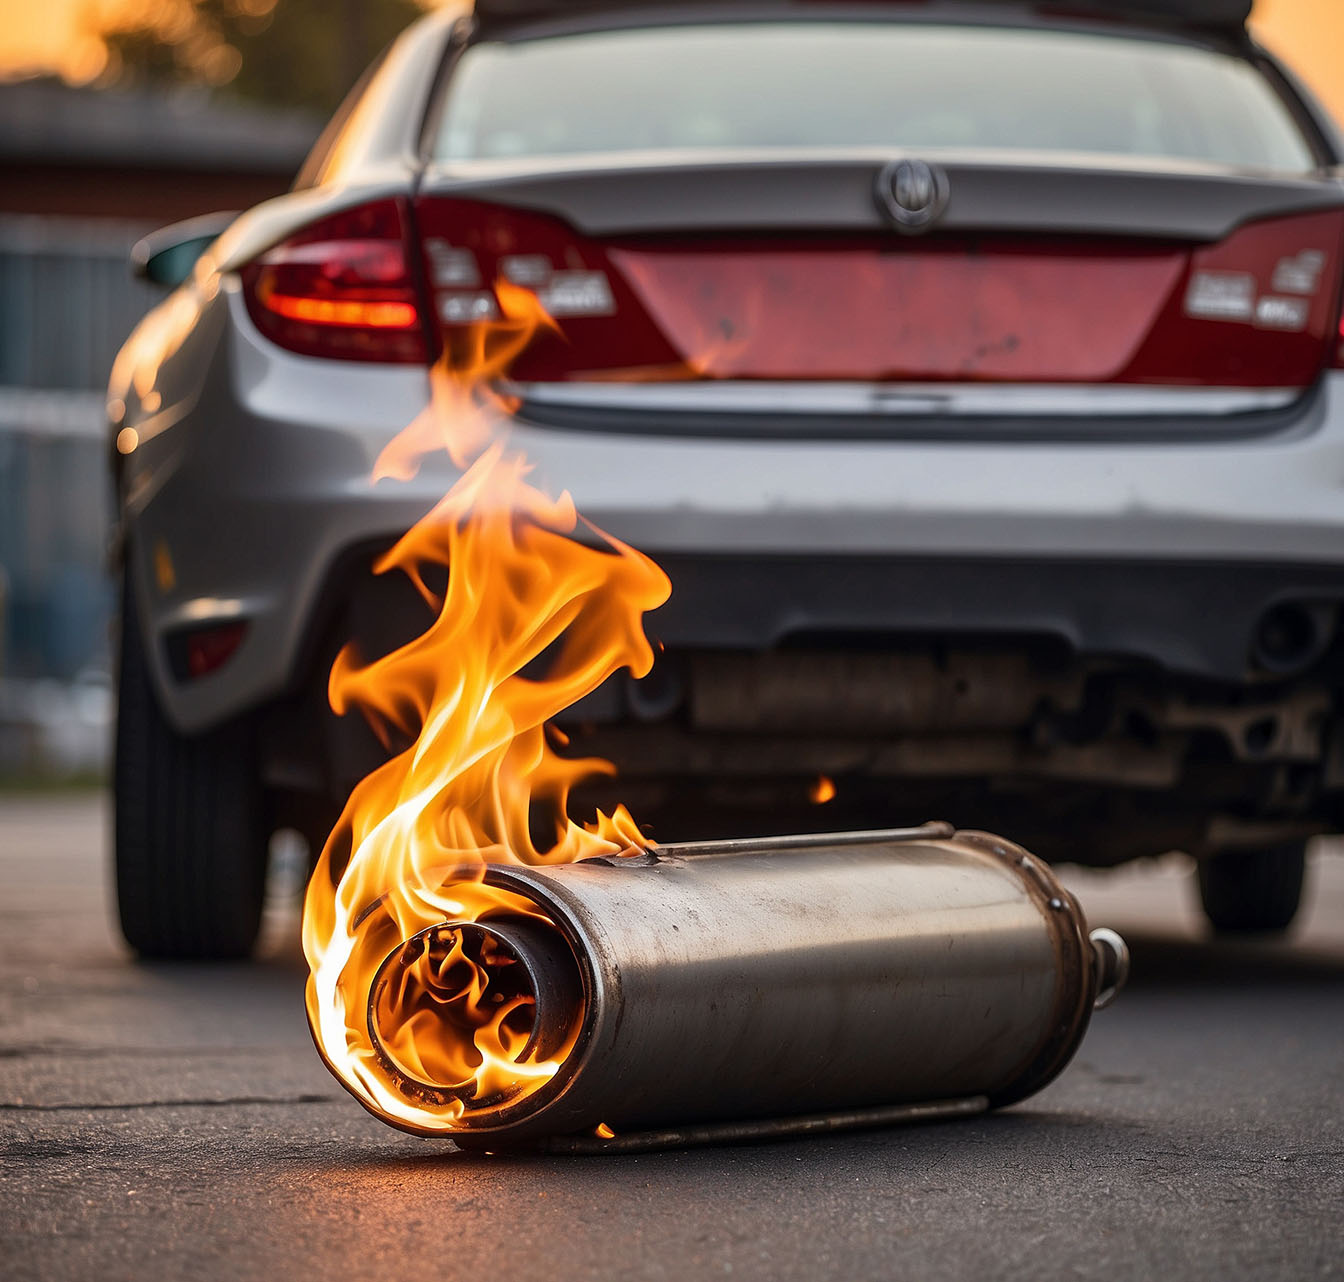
{"points": [[1226, 17]]}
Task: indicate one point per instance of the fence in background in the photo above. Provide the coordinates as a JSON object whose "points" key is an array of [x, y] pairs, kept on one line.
{"points": [[67, 302]]}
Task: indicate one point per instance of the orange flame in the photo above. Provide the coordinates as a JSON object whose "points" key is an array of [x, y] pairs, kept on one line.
{"points": [[404, 867]]}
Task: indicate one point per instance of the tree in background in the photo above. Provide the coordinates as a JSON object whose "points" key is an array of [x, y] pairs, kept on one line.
{"points": [[293, 53]]}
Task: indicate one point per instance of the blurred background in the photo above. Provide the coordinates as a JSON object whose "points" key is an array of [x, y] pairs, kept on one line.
{"points": [[116, 117]]}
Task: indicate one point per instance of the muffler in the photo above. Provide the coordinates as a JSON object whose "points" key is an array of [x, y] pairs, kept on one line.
{"points": [[724, 990]]}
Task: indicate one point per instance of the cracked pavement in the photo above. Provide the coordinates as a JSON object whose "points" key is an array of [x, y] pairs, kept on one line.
{"points": [[166, 1121]]}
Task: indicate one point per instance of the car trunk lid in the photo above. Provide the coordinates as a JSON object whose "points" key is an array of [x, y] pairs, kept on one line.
{"points": [[1032, 270]]}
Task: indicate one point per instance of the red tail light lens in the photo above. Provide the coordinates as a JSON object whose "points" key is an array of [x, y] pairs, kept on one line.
{"points": [[342, 288], [196, 652], [470, 246]]}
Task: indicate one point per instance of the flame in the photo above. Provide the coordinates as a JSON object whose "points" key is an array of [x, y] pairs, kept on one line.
{"points": [[821, 791], [412, 1006]]}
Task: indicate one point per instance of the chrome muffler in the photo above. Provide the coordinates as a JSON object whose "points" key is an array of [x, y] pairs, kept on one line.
{"points": [[723, 990]]}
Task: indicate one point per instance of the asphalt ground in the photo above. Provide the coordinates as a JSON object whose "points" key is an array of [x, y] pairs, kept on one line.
{"points": [[174, 1122]]}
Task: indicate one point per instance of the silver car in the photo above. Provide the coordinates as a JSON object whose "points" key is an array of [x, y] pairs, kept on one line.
{"points": [[974, 370]]}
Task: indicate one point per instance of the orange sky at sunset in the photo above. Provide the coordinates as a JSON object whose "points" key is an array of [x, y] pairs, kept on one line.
{"points": [[49, 35]]}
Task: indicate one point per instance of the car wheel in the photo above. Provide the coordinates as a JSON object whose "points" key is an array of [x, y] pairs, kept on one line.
{"points": [[1245, 891], [189, 829]]}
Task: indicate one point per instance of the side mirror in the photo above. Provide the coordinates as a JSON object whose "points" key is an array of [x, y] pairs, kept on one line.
{"points": [[166, 257]]}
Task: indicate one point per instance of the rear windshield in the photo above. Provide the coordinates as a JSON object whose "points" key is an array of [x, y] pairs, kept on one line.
{"points": [[834, 84]]}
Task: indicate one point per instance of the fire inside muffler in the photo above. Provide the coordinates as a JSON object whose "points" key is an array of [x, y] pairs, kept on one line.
{"points": [[747, 988], [473, 975]]}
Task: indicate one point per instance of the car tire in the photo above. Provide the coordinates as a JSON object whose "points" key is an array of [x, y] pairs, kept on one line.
{"points": [[189, 828], [1253, 891]]}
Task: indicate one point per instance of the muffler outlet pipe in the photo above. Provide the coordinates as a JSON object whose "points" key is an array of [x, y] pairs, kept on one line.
{"points": [[725, 990]]}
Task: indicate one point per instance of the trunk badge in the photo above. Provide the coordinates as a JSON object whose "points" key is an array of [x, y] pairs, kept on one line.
{"points": [[912, 194]]}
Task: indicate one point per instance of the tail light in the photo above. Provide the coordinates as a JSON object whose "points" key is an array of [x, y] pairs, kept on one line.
{"points": [[469, 246], [343, 288], [1257, 309], [197, 651]]}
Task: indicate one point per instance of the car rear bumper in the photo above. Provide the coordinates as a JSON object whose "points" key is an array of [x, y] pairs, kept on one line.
{"points": [[244, 504], [1196, 618]]}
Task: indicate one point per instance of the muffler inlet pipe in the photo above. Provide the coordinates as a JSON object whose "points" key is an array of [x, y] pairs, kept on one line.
{"points": [[788, 985]]}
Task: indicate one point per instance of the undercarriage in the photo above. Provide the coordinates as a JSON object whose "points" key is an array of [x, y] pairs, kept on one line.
{"points": [[1086, 758]]}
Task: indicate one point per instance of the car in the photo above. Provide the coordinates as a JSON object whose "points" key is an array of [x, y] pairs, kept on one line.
{"points": [[974, 370]]}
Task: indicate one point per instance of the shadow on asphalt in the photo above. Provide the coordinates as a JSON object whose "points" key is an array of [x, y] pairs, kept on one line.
{"points": [[1014, 1130]]}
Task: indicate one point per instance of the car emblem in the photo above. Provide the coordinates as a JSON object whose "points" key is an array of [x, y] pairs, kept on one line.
{"points": [[912, 194]]}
